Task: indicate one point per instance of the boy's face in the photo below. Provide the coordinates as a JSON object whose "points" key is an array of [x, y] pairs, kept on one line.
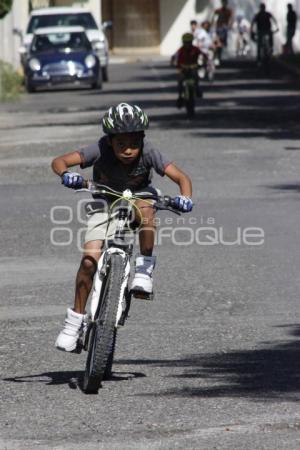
{"points": [[127, 146], [193, 26]]}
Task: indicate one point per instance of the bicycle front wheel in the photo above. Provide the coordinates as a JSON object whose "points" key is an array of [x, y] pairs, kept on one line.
{"points": [[103, 333], [190, 102]]}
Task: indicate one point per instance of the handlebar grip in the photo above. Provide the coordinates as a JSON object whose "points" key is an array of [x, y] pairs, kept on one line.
{"points": [[85, 184], [169, 201]]}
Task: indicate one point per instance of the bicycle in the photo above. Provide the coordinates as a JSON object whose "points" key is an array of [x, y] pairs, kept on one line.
{"points": [[111, 296], [265, 50], [190, 75]]}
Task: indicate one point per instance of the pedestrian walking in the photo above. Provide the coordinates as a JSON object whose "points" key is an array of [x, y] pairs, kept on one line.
{"points": [[291, 28]]}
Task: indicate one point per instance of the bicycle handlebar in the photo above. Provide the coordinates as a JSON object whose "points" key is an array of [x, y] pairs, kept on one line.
{"points": [[165, 202]]}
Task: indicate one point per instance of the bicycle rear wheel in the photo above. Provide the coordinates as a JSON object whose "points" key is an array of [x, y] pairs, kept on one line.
{"points": [[190, 102], [103, 332]]}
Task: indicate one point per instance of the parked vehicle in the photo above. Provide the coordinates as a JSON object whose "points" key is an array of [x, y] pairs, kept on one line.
{"points": [[67, 16], [59, 56]]}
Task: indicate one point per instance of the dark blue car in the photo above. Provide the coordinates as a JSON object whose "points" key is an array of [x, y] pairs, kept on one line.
{"points": [[62, 56]]}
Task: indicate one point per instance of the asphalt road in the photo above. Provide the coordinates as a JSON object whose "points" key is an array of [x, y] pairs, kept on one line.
{"points": [[214, 361]]}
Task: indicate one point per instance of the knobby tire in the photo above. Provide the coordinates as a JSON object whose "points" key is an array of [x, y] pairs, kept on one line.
{"points": [[190, 102], [103, 334]]}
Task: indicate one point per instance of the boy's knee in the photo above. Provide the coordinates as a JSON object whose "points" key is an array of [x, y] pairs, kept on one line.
{"points": [[88, 265]]}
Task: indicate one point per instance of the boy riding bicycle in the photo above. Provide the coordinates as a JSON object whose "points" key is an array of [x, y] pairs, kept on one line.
{"points": [[187, 57], [122, 159]]}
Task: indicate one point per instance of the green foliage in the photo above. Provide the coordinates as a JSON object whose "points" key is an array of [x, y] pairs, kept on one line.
{"points": [[10, 82], [5, 7]]}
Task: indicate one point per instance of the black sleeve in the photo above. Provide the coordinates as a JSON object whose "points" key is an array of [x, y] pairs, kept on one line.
{"points": [[154, 159], [89, 154]]}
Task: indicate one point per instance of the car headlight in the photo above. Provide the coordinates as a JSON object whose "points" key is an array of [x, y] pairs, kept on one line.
{"points": [[98, 45], [90, 61], [35, 64]]}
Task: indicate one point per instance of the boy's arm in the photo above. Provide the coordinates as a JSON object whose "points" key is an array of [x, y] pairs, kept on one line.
{"points": [[62, 163], [275, 21], [180, 178]]}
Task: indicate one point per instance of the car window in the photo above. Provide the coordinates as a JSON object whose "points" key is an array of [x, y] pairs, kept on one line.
{"points": [[84, 20], [60, 42]]}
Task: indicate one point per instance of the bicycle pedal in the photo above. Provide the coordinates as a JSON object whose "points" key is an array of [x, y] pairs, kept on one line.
{"points": [[78, 348], [142, 295]]}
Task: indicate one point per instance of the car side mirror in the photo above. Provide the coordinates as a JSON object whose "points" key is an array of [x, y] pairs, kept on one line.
{"points": [[22, 50], [18, 32], [107, 25]]}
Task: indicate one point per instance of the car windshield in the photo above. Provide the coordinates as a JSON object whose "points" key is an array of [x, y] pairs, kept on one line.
{"points": [[66, 42], [84, 20]]}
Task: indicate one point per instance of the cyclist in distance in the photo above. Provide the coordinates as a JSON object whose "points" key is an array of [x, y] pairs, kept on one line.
{"points": [[262, 21], [242, 28], [122, 159], [187, 56], [194, 29], [203, 39], [223, 18]]}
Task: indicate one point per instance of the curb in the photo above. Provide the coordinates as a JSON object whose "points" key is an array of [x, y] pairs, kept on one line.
{"points": [[131, 59]]}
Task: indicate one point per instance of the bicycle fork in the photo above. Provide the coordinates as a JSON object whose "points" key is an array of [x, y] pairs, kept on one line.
{"points": [[99, 276]]}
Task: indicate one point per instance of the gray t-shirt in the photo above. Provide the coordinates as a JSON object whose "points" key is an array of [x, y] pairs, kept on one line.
{"points": [[108, 170]]}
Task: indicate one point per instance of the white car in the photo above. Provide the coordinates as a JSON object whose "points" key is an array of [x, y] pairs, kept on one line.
{"points": [[61, 16]]}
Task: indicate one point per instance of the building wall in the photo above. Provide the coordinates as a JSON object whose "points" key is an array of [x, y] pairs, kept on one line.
{"points": [[10, 43], [175, 16]]}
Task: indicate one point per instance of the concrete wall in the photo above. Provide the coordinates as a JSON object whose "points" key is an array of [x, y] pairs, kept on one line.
{"points": [[9, 43], [175, 16], [279, 10]]}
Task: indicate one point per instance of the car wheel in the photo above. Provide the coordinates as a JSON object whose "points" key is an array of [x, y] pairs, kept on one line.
{"points": [[29, 88], [97, 84], [104, 73]]}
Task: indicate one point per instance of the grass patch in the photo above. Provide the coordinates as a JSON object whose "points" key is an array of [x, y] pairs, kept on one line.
{"points": [[11, 82]]}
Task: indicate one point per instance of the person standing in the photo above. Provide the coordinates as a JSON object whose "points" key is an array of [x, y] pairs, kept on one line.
{"points": [[291, 28], [223, 19], [263, 23]]}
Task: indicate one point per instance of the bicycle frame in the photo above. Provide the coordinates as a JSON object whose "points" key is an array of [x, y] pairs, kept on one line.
{"points": [[110, 302], [98, 279], [114, 247], [189, 83]]}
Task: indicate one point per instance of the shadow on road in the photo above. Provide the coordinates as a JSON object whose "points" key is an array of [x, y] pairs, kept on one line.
{"points": [[240, 103], [72, 378], [264, 374], [288, 187], [50, 378]]}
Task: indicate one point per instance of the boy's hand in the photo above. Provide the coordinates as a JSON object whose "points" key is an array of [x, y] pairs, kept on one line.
{"points": [[72, 180], [183, 203]]}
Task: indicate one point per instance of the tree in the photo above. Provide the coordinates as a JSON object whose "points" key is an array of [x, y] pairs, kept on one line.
{"points": [[5, 7]]}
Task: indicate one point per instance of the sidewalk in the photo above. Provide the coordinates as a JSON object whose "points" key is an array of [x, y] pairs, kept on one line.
{"points": [[121, 58]]}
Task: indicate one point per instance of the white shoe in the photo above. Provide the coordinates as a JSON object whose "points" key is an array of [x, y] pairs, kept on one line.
{"points": [[143, 281], [73, 329]]}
